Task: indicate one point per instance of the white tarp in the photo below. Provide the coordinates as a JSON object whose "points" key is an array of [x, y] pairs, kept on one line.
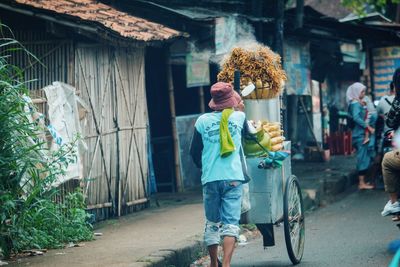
{"points": [[225, 34], [64, 124]]}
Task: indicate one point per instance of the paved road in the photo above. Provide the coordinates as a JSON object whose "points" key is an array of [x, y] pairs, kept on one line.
{"points": [[350, 232]]}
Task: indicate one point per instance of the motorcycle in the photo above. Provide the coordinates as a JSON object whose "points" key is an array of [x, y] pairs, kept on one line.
{"points": [[387, 143], [387, 146]]}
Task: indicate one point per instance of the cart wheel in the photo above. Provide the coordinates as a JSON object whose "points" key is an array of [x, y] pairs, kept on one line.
{"points": [[293, 219]]}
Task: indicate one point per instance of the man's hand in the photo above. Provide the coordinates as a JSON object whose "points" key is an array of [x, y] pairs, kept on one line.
{"points": [[240, 106]]}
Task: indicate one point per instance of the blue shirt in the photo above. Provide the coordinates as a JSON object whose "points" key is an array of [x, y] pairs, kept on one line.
{"points": [[214, 167], [358, 113]]}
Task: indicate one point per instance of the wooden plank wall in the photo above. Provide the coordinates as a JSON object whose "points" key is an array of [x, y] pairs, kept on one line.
{"points": [[50, 64], [111, 82], [132, 120]]}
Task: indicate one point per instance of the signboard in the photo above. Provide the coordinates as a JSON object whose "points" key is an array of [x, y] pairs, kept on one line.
{"points": [[386, 60], [351, 52], [197, 70], [296, 65], [225, 34]]}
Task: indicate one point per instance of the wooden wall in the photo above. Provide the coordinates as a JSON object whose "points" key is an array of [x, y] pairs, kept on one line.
{"points": [[111, 82], [115, 128]]}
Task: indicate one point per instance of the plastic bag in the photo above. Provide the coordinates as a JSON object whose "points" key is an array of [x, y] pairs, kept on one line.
{"points": [[246, 206]]}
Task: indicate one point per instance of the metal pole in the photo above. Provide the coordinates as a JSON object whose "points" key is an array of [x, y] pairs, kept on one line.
{"points": [[278, 46], [201, 99], [299, 14]]}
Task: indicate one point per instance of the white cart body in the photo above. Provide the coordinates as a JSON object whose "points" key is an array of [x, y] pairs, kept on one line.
{"points": [[266, 189]]}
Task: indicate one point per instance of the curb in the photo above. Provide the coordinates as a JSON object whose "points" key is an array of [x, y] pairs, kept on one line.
{"points": [[182, 255]]}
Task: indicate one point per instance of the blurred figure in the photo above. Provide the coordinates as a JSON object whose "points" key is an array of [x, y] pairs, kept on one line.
{"points": [[391, 160], [383, 108], [370, 118], [354, 95], [381, 129]]}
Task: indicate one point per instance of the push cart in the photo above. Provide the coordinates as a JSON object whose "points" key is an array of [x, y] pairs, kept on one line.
{"points": [[275, 194], [275, 197]]}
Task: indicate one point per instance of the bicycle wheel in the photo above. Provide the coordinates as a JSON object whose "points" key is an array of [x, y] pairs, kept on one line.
{"points": [[293, 219]]}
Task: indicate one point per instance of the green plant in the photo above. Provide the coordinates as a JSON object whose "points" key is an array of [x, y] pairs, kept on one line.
{"points": [[33, 213], [360, 6]]}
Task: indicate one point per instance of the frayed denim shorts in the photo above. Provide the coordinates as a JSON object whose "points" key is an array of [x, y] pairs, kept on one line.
{"points": [[222, 205]]}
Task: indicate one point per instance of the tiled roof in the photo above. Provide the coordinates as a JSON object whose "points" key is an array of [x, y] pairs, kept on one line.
{"points": [[120, 22]]}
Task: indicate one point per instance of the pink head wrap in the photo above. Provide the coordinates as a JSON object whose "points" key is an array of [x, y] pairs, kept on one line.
{"points": [[354, 91]]}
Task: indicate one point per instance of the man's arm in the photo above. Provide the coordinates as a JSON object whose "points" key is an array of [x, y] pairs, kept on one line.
{"points": [[196, 148], [379, 108], [245, 130]]}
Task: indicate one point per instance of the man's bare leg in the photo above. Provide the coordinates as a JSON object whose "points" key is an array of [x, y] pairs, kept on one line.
{"points": [[393, 197], [228, 246], [213, 251]]}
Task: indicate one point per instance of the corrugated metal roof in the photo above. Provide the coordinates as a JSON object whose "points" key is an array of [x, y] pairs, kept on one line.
{"points": [[201, 13], [119, 22], [331, 8]]}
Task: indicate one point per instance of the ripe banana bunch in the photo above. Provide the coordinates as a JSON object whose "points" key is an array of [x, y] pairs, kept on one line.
{"points": [[273, 129], [263, 90]]}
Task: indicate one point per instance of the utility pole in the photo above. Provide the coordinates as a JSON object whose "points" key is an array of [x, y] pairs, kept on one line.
{"points": [[278, 47], [279, 19], [299, 14]]}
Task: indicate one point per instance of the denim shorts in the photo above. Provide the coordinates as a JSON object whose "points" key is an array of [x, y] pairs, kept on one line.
{"points": [[222, 205]]}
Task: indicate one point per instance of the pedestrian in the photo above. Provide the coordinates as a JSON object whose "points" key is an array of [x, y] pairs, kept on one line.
{"points": [[381, 128], [355, 94], [370, 118], [215, 148], [391, 160], [383, 108]]}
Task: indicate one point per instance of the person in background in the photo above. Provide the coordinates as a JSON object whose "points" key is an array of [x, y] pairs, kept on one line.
{"points": [[354, 95], [381, 128], [383, 108], [215, 148], [370, 118], [391, 160]]}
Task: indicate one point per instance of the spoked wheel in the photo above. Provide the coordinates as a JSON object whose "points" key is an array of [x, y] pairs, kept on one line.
{"points": [[293, 220]]}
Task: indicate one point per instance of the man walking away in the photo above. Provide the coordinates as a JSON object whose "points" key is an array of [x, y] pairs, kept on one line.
{"points": [[216, 148]]}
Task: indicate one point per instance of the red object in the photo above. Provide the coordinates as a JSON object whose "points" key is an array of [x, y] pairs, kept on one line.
{"points": [[340, 143]]}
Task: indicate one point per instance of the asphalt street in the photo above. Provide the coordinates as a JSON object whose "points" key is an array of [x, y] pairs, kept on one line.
{"points": [[350, 232]]}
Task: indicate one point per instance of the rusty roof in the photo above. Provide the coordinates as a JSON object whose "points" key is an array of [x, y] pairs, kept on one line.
{"points": [[120, 22], [332, 8]]}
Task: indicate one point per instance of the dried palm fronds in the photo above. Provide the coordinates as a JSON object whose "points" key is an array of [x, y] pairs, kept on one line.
{"points": [[259, 65]]}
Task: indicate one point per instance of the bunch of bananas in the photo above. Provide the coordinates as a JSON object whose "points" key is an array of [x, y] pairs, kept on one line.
{"points": [[273, 129], [263, 91], [268, 135]]}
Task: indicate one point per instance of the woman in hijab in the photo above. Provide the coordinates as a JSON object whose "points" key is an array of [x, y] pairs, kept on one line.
{"points": [[355, 94]]}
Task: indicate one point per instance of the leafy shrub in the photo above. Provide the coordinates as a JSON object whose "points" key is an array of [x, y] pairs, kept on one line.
{"points": [[30, 216]]}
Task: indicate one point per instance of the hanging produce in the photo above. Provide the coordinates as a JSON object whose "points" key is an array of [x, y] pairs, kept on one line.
{"points": [[268, 135], [260, 66]]}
